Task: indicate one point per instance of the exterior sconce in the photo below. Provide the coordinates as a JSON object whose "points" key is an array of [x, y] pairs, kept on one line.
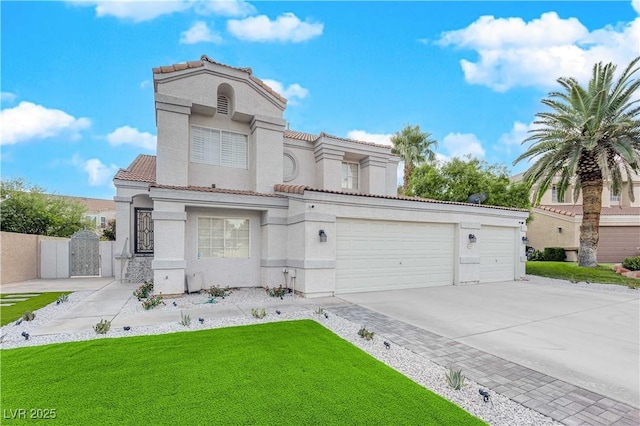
{"points": [[525, 240], [472, 238], [323, 236], [559, 230]]}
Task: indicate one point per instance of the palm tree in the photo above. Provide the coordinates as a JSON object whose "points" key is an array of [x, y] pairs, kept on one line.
{"points": [[414, 147], [592, 133]]}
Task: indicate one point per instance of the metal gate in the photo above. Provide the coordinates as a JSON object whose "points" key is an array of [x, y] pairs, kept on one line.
{"points": [[85, 253]]}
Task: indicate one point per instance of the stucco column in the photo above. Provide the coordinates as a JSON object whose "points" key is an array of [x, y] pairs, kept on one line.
{"points": [[122, 250], [266, 161], [469, 254], [169, 264], [329, 167], [172, 162], [373, 172]]}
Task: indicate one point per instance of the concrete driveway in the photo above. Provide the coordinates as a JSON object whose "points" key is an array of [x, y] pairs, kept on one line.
{"points": [[587, 337]]}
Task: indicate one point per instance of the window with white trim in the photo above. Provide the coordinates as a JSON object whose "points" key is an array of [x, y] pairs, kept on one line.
{"points": [[218, 147], [223, 237], [554, 195], [350, 175], [614, 198]]}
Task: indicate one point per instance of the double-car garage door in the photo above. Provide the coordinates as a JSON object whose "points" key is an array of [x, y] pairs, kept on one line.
{"points": [[374, 255], [383, 255]]}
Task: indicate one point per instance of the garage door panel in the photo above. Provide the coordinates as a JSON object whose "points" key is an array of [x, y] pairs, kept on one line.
{"points": [[497, 254], [382, 255]]}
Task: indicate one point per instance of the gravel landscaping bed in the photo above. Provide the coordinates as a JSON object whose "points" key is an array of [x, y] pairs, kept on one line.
{"points": [[499, 410]]}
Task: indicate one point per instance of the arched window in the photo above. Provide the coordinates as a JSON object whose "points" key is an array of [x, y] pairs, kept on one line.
{"points": [[225, 99]]}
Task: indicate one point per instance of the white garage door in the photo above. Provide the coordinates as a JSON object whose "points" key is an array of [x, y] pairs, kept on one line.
{"points": [[385, 255], [497, 254]]}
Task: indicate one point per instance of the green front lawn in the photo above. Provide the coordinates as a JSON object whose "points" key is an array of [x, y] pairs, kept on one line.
{"points": [[284, 373], [572, 272], [12, 313]]}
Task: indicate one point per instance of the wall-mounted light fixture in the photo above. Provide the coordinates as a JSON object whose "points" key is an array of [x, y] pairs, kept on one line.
{"points": [[323, 236], [559, 230], [525, 240], [472, 238]]}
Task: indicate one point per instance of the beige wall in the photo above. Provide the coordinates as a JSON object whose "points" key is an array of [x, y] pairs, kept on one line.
{"points": [[543, 232], [21, 256]]}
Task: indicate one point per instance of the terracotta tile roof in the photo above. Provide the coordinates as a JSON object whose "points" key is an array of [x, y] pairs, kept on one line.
{"points": [[92, 204], [571, 210], [308, 137], [300, 189], [214, 190], [204, 58], [143, 169]]}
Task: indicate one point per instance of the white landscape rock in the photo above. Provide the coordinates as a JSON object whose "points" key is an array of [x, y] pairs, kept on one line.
{"points": [[500, 411]]}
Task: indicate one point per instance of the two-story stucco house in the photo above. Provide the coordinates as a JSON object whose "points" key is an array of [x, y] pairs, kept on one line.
{"points": [[235, 198]]}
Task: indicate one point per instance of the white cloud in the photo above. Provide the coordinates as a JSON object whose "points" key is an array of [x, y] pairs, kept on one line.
{"points": [[511, 142], [636, 6], [515, 53], [379, 138], [145, 83], [135, 10], [127, 135], [28, 121], [7, 97], [99, 173], [226, 8], [461, 144], [199, 33], [286, 27], [290, 92]]}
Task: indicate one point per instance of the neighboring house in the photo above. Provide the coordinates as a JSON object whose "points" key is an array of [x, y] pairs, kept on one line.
{"points": [[236, 198], [99, 211], [556, 222]]}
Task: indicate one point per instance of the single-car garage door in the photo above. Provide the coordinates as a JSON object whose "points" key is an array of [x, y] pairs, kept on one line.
{"points": [[497, 254], [385, 255]]}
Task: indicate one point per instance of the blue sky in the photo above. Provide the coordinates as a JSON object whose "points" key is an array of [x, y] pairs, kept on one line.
{"points": [[77, 93]]}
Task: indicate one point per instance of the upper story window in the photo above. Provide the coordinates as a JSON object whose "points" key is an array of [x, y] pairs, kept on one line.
{"points": [[614, 198], [223, 105], [350, 175], [218, 147], [554, 195]]}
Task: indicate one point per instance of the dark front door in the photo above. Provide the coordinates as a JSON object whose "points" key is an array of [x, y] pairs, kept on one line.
{"points": [[144, 231]]}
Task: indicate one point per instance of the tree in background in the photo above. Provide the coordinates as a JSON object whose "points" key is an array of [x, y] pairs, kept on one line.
{"points": [[457, 179], [414, 147], [591, 133], [29, 210], [109, 233]]}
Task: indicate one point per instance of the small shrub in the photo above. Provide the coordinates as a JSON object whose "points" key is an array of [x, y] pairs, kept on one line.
{"points": [[535, 256], [102, 327], [185, 319], [153, 302], [29, 316], [217, 291], [63, 298], [276, 291], [258, 313], [366, 334], [144, 290], [632, 263], [455, 378], [554, 254], [319, 311]]}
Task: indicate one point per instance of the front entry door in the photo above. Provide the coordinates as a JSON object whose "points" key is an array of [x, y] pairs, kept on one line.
{"points": [[144, 231]]}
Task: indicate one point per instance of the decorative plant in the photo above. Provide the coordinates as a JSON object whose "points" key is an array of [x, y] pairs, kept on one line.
{"points": [[28, 316], [144, 290], [102, 327], [185, 319], [62, 298], [276, 291], [455, 378], [216, 291], [632, 263], [153, 302], [365, 334], [319, 311], [258, 313]]}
